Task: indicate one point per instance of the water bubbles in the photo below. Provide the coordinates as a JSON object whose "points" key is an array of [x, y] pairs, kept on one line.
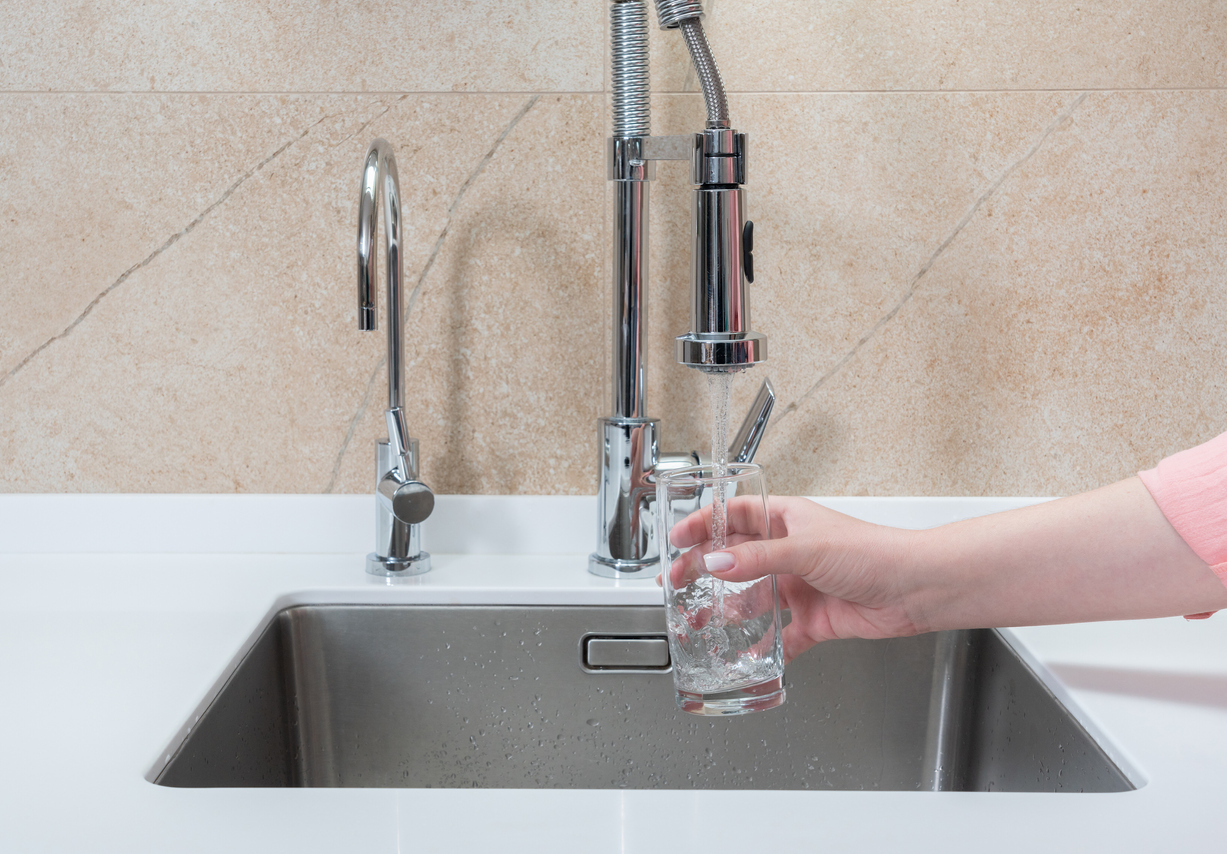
{"points": [[709, 655]]}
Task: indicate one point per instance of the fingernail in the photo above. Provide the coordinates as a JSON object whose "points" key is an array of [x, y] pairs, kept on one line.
{"points": [[719, 562]]}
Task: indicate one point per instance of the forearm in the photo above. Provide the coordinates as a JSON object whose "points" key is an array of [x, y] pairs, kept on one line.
{"points": [[1103, 555]]}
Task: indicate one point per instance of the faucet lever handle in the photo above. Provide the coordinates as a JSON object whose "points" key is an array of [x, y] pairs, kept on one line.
{"points": [[750, 433], [410, 501]]}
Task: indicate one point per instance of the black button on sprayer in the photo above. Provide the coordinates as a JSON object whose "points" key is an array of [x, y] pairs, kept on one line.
{"points": [[747, 250]]}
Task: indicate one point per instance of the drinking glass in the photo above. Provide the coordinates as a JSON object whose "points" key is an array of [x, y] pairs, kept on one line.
{"points": [[724, 637]]}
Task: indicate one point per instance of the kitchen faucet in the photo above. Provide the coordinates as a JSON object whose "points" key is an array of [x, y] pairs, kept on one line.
{"points": [[720, 337], [402, 502]]}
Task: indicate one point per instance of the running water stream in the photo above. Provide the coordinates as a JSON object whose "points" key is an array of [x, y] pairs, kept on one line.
{"points": [[719, 387], [717, 629]]}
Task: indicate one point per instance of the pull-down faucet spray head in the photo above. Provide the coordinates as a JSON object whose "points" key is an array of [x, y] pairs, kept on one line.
{"points": [[720, 337]]}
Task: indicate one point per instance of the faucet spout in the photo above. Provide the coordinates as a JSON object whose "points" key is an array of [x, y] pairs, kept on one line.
{"points": [[402, 501], [379, 173]]}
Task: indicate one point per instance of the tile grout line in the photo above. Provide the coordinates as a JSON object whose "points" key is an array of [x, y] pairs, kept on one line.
{"points": [[1063, 116], [1052, 91], [599, 92], [430, 262], [124, 93], [170, 241]]}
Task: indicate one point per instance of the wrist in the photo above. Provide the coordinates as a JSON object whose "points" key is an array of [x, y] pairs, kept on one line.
{"points": [[931, 590]]}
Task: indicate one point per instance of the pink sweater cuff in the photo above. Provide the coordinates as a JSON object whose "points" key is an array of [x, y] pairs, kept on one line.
{"points": [[1191, 489]]}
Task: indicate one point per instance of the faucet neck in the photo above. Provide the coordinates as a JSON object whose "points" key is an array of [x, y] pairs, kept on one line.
{"points": [[379, 174]]}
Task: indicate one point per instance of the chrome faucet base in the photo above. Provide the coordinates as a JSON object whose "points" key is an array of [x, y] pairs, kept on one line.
{"points": [[626, 542], [630, 461], [626, 570], [397, 567]]}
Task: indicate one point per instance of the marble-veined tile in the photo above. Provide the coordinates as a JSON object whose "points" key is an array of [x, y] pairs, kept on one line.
{"points": [[851, 195], [303, 46], [1070, 336], [1064, 332], [508, 352], [828, 45], [232, 362], [92, 186]]}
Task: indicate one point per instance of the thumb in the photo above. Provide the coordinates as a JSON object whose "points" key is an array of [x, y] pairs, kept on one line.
{"points": [[756, 559]]}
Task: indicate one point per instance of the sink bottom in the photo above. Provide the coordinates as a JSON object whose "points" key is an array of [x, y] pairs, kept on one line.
{"points": [[503, 697]]}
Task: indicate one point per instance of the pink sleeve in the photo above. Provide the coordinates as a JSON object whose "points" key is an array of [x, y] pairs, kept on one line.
{"points": [[1191, 489]]}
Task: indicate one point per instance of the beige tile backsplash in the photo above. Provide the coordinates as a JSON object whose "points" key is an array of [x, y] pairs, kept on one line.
{"points": [[991, 241]]}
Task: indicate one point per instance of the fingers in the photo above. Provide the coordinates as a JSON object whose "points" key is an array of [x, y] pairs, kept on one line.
{"points": [[796, 641], [756, 558], [745, 515], [685, 569], [804, 603], [692, 530], [690, 565]]}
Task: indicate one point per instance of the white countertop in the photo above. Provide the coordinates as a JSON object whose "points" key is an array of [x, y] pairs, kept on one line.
{"points": [[118, 614]]}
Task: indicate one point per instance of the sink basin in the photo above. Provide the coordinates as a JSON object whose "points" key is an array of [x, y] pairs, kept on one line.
{"points": [[510, 697]]}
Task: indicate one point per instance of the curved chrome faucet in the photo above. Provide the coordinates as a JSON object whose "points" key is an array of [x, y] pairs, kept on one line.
{"points": [[402, 502]]}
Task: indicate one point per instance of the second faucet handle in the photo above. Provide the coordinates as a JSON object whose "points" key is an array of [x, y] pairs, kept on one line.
{"points": [[750, 433]]}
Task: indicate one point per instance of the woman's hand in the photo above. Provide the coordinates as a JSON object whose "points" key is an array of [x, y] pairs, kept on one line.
{"points": [[838, 576], [1109, 554]]}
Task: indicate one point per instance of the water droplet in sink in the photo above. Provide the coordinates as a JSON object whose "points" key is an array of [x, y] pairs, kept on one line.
{"points": [[593, 722]]}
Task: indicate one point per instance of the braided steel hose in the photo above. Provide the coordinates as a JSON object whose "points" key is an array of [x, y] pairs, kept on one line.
{"points": [[709, 74], [629, 34], [684, 15]]}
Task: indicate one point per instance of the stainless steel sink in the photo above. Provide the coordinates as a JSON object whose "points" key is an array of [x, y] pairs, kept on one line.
{"points": [[505, 697]]}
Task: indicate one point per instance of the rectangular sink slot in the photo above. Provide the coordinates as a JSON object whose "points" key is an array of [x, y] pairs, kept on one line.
{"points": [[624, 653]]}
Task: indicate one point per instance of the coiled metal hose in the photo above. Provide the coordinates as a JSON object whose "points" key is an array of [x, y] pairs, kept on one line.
{"points": [[684, 15], [629, 33], [670, 13]]}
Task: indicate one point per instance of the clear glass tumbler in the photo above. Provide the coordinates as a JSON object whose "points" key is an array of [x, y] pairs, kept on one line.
{"points": [[724, 637]]}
